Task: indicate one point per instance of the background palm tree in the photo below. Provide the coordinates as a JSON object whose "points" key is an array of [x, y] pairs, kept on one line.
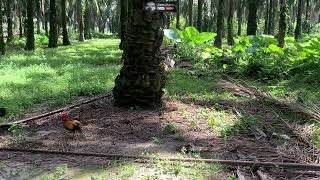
{"points": [[9, 13], [30, 26], [252, 17], [53, 33], [65, 37], [298, 30], [2, 44], [282, 23], [220, 24]]}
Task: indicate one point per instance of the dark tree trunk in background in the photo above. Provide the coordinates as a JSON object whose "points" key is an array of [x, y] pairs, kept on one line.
{"points": [[80, 22], [38, 24], [46, 28], [123, 19], [46, 17], [275, 16], [9, 20], [38, 12], [141, 79], [298, 30], [190, 12], [212, 23], [270, 16], [30, 26], [24, 19], [65, 37], [168, 21], [87, 33], [20, 21], [103, 27], [53, 33], [252, 17], [289, 17], [266, 18], [205, 24], [306, 26], [230, 23], [282, 23], [178, 16], [2, 44], [220, 24], [199, 20], [239, 14]]}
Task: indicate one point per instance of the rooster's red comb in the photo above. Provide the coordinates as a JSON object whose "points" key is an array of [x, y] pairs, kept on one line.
{"points": [[64, 115]]}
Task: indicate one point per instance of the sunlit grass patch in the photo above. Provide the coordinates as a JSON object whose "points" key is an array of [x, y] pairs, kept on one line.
{"points": [[217, 120], [193, 89], [196, 170], [117, 169], [54, 77]]}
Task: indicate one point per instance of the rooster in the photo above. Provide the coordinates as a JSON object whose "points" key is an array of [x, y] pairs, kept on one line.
{"points": [[69, 124]]}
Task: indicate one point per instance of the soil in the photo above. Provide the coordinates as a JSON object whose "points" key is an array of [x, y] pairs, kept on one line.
{"points": [[110, 129]]}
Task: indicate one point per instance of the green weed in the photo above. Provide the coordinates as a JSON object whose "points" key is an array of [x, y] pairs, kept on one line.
{"points": [[171, 129], [157, 140], [179, 137], [241, 125], [58, 174], [18, 132]]}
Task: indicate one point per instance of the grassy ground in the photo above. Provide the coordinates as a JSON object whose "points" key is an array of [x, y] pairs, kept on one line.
{"points": [[53, 77], [124, 170]]}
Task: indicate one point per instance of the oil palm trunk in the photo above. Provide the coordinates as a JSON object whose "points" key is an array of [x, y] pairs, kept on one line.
{"points": [[30, 26], [53, 33], [252, 17], [298, 30], [283, 23], [2, 45], [9, 21], [65, 37], [141, 79], [80, 21]]}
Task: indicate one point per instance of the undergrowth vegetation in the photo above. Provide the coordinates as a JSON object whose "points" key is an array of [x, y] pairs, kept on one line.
{"points": [[293, 70], [289, 74]]}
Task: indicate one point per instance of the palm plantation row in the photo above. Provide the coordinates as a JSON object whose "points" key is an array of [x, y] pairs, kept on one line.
{"points": [[56, 17]]}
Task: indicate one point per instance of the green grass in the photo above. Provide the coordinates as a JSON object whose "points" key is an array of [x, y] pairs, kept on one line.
{"points": [[189, 88], [55, 77], [160, 169], [171, 129], [296, 90]]}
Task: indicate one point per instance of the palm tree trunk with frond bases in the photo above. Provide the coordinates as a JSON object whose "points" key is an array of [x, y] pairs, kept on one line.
{"points": [[141, 79], [123, 19]]}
